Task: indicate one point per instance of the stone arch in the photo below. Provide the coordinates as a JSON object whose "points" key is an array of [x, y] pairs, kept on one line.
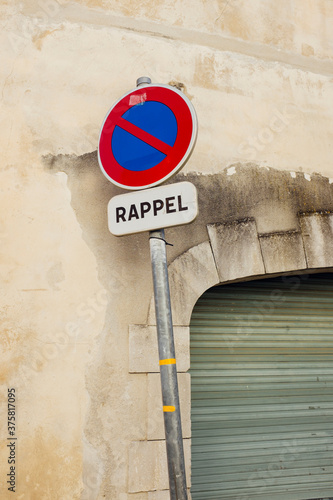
{"points": [[190, 275], [303, 250], [236, 251]]}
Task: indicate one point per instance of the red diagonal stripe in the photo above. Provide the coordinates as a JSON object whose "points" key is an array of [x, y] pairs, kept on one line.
{"points": [[161, 146]]}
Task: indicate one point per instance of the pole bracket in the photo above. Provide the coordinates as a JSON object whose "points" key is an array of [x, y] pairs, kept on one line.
{"points": [[162, 239]]}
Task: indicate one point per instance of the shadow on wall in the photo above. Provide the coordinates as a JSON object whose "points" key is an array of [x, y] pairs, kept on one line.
{"points": [[273, 197]]}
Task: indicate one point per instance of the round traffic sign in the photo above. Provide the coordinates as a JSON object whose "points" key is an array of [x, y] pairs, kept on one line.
{"points": [[146, 137]]}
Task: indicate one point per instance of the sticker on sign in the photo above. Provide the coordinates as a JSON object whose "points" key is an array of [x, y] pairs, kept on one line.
{"points": [[164, 206]]}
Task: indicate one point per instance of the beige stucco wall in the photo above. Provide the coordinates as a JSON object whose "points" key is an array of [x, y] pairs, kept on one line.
{"points": [[260, 77]]}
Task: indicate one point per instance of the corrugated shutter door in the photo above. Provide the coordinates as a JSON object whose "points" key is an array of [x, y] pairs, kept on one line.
{"points": [[262, 390]]}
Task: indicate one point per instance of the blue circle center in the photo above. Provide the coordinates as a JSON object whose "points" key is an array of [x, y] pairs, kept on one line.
{"points": [[133, 153]]}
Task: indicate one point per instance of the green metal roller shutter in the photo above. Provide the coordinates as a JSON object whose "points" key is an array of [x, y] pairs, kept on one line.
{"points": [[262, 390]]}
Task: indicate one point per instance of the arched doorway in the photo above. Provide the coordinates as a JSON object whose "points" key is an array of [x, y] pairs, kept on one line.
{"points": [[262, 390]]}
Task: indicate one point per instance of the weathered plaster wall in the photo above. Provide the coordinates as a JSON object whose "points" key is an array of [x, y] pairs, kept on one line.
{"points": [[267, 107], [51, 314], [260, 77]]}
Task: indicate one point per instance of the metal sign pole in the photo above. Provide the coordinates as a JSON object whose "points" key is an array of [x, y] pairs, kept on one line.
{"points": [[168, 370]]}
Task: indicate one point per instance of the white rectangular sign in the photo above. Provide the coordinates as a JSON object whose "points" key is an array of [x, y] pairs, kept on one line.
{"points": [[156, 208]]}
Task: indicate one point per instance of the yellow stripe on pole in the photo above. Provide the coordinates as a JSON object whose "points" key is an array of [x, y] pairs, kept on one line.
{"points": [[169, 408], [170, 361]]}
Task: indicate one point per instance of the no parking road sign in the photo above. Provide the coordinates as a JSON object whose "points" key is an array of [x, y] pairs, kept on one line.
{"points": [[147, 136]]}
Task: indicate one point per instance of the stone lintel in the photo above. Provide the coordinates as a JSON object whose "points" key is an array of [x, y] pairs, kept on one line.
{"points": [[236, 249], [190, 275], [283, 252], [317, 233]]}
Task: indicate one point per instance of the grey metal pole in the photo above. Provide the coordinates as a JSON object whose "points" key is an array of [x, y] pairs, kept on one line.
{"points": [[168, 370]]}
